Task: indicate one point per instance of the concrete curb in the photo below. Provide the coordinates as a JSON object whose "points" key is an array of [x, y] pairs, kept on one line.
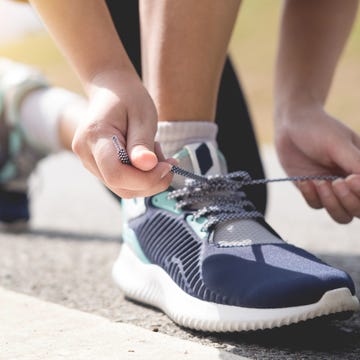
{"points": [[33, 329]]}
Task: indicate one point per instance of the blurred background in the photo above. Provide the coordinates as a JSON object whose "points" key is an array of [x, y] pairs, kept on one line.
{"points": [[253, 48]]}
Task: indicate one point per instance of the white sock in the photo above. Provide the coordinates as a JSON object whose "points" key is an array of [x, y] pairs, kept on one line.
{"points": [[174, 135], [39, 116]]}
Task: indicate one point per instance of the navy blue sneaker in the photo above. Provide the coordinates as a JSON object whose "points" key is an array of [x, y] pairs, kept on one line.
{"points": [[201, 253], [17, 158]]}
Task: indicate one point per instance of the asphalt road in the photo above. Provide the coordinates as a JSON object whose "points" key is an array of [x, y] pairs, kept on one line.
{"points": [[66, 256]]}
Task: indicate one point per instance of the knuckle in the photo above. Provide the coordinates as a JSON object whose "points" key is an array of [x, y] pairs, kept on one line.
{"points": [[85, 135], [77, 142], [76, 145], [91, 132]]}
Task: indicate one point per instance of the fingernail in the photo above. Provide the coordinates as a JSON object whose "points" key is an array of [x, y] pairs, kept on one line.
{"points": [[341, 188], [166, 171], [303, 185], [320, 182], [323, 188]]}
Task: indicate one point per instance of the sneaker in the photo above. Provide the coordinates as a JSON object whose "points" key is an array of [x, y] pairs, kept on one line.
{"points": [[17, 158], [201, 253]]}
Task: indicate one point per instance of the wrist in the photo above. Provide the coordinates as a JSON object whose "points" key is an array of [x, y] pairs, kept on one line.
{"points": [[112, 79], [292, 108]]}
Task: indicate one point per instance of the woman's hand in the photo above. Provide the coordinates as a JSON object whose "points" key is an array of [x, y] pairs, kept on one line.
{"points": [[120, 105], [311, 142]]}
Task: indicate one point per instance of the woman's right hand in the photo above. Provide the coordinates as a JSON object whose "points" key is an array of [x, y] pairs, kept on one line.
{"points": [[120, 105]]}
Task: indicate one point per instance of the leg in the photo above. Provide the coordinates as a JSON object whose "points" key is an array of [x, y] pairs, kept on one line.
{"points": [[35, 120], [49, 117], [190, 92], [183, 57]]}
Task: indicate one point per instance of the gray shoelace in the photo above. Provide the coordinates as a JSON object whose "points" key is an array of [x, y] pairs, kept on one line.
{"points": [[223, 192], [219, 199]]}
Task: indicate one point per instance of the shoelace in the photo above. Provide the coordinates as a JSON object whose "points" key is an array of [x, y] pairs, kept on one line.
{"points": [[218, 199], [222, 192]]}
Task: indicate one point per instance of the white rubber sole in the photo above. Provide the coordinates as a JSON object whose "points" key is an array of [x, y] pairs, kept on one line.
{"points": [[150, 284]]}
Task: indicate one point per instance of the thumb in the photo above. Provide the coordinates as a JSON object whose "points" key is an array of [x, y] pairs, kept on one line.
{"points": [[140, 145]]}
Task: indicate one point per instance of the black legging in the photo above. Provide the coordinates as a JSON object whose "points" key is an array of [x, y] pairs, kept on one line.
{"points": [[239, 147]]}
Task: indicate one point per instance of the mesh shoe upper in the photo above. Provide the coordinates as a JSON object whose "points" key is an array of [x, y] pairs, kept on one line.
{"points": [[240, 262]]}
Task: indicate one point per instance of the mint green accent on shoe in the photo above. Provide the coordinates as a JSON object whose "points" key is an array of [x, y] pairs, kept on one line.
{"points": [[130, 238], [161, 201], [181, 154], [221, 156], [197, 225], [8, 172], [15, 141]]}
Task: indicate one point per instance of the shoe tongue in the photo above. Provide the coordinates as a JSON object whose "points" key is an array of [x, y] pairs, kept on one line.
{"points": [[200, 158]]}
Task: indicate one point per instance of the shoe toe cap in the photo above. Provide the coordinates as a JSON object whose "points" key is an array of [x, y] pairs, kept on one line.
{"points": [[270, 276]]}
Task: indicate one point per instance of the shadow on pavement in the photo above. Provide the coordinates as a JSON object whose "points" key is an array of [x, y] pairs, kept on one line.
{"points": [[321, 339]]}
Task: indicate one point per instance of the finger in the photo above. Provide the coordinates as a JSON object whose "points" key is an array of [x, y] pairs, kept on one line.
{"points": [[91, 166], [356, 140], [128, 177], [347, 157], [353, 181], [161, 157], [158, 151], [89, 163], [347, 198], [310, 194], [140, 145], [81, 149], [160, 187], [331, 203], [118, 175]]}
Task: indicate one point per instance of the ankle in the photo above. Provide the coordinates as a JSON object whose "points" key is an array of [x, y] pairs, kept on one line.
{"points": [[173, 135]]}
